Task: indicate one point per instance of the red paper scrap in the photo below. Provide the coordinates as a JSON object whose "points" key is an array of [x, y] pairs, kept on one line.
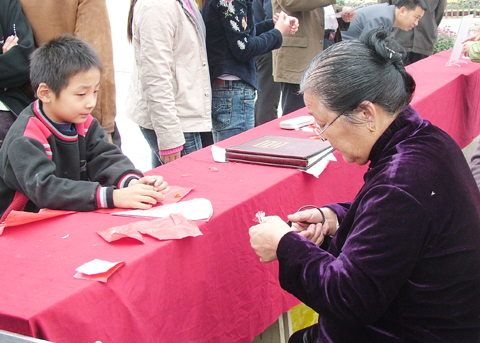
{"points": [[175, 226], [98, 276], [118, 232], [16, 218]]}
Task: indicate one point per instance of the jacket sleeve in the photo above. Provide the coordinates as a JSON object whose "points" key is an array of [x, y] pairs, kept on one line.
{"points": [[376, 259], [238, 30], [263, 26], [475, 165], [291, 6], [35, 178], [156, 29], [106, 164], [439, 11], [14, 64], [474, 54]]}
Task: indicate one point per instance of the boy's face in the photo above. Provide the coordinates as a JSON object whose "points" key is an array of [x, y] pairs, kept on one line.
{"points": [[75, 102]]}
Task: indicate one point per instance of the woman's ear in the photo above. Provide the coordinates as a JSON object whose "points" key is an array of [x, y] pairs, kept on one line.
{"points": [[367, 111], [44, 93]]}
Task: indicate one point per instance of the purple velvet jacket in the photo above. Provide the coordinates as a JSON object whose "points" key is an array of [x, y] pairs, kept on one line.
{"points": [[404, 265]]}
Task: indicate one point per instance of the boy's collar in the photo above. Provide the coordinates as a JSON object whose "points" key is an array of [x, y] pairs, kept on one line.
{"points": [[51, 125]]}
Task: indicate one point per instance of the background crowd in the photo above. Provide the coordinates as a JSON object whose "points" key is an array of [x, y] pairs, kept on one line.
{"points": [[210, 70]]}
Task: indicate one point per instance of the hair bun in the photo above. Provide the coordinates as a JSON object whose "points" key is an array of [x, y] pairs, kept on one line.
{"points": [[385, 48]]}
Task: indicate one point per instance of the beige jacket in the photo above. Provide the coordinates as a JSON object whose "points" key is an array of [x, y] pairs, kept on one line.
{"points": [[170, 91], [290, 61], [87, 19]]}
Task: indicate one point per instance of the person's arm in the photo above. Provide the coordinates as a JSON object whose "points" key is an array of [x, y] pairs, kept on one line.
{"points": [[105, 162], [92, 24], [14, 64], [35, 178], [439, 11], [475, 164], [157, 40], [379, 254], [291, 6], [238, 30]]}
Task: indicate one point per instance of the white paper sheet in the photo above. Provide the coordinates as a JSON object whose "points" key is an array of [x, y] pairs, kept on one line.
{"points": [[195, 209]]}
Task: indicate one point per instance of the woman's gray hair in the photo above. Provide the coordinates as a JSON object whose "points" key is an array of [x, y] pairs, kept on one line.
{"points": [[351, 72]]}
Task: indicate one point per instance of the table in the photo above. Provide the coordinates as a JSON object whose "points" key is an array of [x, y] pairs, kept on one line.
{"points": [[210, 288]]}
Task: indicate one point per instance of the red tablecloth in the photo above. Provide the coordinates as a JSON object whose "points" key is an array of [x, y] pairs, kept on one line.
{"points": [[210, 288], [448, 96]]}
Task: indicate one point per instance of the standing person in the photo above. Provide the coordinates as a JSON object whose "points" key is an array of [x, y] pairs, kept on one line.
{"points": [[170, 95], [88, 20], [297, 51], [404, 261], [471, 49], [233, 42], [268, 93], [420, 42], [404, 14], [16, 42]]}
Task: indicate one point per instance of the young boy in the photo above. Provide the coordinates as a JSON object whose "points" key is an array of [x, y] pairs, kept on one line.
{"points": [[56, 155]]}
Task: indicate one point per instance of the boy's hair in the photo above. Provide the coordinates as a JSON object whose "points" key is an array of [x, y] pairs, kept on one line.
{"points": [[55, 62]]}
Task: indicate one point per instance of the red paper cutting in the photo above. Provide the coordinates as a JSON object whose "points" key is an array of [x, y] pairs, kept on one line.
{"points": [[16, 218], [118, 232], [102, 277], [175, 226]]}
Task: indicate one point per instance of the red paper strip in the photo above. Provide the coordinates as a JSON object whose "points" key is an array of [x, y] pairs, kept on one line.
{"points": [[118, 232], [17, 218]]}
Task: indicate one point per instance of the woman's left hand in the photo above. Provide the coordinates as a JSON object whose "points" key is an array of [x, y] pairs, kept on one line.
{"points": [[264, 237]]}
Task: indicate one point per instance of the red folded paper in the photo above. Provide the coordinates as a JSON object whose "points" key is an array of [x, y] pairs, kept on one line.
{"points": [[16, 218], [118, 232], [175, 226], [97, 270]]}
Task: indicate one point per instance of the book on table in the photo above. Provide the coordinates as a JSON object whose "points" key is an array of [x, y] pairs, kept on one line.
{"points": [[280, 151]]}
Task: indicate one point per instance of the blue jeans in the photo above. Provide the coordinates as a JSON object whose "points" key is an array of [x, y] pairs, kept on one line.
{"points": [[193, 142], [233, 109]]}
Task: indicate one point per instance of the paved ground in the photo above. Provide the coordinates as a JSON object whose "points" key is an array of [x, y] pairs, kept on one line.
{"points": [[133, 143]]}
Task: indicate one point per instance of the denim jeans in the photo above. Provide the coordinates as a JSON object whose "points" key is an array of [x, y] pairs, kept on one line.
{"points": [[193, 142], [232, 109]]}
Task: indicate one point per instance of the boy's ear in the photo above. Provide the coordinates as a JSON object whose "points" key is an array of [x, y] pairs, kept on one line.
{"points": [[44, 93]]}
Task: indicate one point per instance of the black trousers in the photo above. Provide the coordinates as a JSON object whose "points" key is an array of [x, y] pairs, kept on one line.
{"points": [[268, 96], [291, 99]]}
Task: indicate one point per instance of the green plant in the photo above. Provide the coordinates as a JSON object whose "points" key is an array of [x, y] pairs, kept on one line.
{"points": [[445, 39]]}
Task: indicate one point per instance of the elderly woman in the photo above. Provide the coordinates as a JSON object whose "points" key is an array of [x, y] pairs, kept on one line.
{"points": [[404, 261]]}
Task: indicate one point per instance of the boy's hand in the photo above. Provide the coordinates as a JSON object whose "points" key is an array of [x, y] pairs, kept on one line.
{"points": [[156, 181], [10, 42], [139, 196]]}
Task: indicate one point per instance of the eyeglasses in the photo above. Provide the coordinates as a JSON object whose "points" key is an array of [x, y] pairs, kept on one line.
{"points": [[321, 132]]}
